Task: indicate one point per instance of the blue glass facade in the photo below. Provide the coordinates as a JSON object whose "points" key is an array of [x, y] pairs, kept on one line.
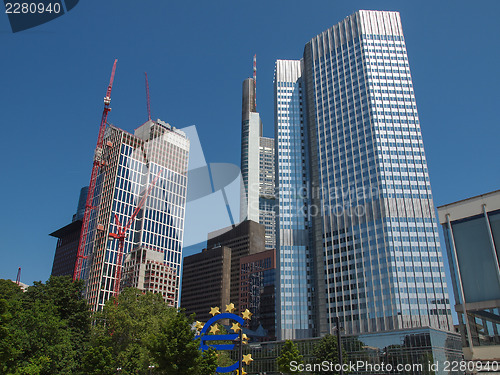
{"points": [[294, 264], [377, 263]]}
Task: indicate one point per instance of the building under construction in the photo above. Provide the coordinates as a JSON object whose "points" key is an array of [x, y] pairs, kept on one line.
{"points": [[133, 225]]}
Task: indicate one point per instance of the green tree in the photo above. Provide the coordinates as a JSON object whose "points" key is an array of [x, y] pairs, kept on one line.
{"points": [[122, 329], [207, 363], [46, 328], [327, 350], [289, 353], [176, 352]]}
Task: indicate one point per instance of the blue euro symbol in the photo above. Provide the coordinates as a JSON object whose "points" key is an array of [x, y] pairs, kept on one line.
{"points": [[204, 338]]}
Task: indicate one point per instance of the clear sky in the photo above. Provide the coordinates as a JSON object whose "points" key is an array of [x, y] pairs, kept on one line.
{"points": [[196, 54]]}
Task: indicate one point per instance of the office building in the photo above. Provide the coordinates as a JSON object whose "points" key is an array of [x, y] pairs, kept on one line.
{"points": [[472, 234], [257, 291], [145, 269], [245, 238], [155, 157], [68, 238], [257, 198], [294, 288], [364, 246], [206, 281], [413, 350]]}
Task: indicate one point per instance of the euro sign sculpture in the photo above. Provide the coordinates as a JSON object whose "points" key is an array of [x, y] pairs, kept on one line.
{"points": [[205, 338]]}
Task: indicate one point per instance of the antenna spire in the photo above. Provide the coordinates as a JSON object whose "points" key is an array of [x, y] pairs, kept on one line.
{"points": [[147, 96], [255, 79]]}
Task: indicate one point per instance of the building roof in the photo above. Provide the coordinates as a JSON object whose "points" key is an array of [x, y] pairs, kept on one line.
{"points": [[70, 228], [469, 207]]}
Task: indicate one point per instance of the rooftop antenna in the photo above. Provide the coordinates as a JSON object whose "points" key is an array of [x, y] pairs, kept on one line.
{"points": [[255, 79], [147, 96]]}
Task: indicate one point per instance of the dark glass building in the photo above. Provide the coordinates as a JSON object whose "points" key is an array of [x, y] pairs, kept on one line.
{"points": [[68, 239]]}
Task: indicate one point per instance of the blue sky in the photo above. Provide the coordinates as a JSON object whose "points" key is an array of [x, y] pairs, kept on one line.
{"points": [[196, 54]]}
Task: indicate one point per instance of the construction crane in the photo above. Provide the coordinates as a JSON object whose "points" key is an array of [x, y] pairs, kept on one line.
{"points": [[96, 168], [147, 96], [122, 234]]}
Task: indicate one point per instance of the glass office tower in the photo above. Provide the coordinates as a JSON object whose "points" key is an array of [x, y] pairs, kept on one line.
{"points": [[374, 237], [294, 264], [133, 161]]}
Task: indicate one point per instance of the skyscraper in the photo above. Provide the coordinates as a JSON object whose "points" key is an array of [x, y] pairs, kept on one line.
{"points": [[346, 120], [295, 287], [257, 167], [131, 164]]}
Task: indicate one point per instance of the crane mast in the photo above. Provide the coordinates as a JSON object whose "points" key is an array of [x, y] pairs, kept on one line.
{"points": [[97, 164]]}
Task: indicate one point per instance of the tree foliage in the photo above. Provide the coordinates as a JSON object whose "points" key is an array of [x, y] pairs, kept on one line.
{"points": [[44, 330], [176, 351], [289, 353], [49, 330], [327, 350]]}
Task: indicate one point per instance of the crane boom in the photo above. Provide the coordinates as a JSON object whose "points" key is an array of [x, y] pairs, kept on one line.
{"points": [[97, 164]]}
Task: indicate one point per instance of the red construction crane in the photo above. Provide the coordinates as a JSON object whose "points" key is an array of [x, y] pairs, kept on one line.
{"points": [[122, 234], [98, 163], [147, 96]]}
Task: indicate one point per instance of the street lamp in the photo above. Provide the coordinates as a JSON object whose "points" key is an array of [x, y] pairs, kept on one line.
{"points": [[150, 367]]}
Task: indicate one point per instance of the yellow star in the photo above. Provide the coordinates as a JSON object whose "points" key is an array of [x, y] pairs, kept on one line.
{"points": [[236, 327], [230, 308], [242, 372], [247, 358], [246, 314], [214, 329], [244, 337], [198, 325], [244, 342], [214, 311]]}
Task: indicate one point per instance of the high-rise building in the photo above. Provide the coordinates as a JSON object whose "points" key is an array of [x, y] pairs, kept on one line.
{"points": [[258, 292], [472, 233], [295, 285], [68, 239], [245, 238], [155, 157], [206, 281], [366, 249], [257, 167]]}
